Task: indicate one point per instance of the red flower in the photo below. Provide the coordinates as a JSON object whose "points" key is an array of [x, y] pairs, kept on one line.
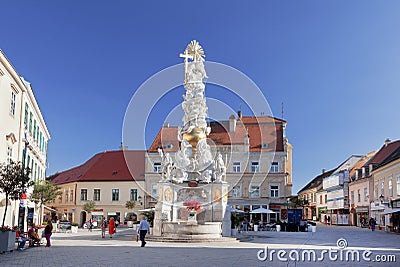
{"points": [[192, 205]]}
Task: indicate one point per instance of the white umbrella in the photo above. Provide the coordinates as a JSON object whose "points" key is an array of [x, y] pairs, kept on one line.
{"points": [[235, 210], [262, 210], [149, 209]]}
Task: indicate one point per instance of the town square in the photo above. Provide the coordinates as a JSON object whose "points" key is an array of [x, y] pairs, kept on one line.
{"points": [[226, 134]]}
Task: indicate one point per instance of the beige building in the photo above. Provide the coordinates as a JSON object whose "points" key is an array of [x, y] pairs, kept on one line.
{"points": [[316, 198], [359, 191], [258, 160], [386, 181], [24, 133], [108, 181]]}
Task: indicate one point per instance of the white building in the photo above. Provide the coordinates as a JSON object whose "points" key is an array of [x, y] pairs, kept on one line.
{"points": [[23, 131], [337, 187]]}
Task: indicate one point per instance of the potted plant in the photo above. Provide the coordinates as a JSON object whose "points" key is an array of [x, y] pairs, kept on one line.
{"points": [[74, 227], [235, 222], [7, 239]]}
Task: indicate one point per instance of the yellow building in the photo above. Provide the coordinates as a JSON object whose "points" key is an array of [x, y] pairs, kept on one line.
{"points": [[108, 181]]}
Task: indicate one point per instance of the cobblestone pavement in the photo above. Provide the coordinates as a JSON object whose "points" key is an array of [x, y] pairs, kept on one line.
{"points": [[88, 249]]}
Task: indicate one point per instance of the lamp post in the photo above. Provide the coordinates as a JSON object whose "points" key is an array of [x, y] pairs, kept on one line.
{"points": [[22, 208]]}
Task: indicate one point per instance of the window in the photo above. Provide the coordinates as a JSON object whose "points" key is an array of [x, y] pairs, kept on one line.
{"points": [[376, 190], [83, 194], [9, 154], [154, 191], [115, 195], [236, 167], [237, 191], [274, 167], [96, 194], [12, 107], [383, 188], [66, 196], [60, 199], [30, 122], [254, 191], [326, 198], [274, 191], [133, 195], [157, 167], [365, 194], [358, 195], [390, 186], [398, 184], [71, 193], [26, 115], [352, 196], [34, 130], [320, 199], [255, 167]]}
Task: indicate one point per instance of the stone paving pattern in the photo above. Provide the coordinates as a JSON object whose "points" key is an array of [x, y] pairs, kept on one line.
{"points": [[88, 249]]}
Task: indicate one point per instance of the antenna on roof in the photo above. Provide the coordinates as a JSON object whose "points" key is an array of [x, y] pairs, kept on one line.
{"points": [[282, 111]]}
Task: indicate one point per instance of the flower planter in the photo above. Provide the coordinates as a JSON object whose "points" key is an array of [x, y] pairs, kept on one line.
{"points": [[7, 241], [74, 229]]}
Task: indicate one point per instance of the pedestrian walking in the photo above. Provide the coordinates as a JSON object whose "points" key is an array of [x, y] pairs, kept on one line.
{"points": [[144, 227], [90, 225], [111, 227], [372, 223], [47, 233], [103, 227]]}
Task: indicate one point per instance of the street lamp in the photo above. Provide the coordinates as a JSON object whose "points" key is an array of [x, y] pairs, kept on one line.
{"points": [[140, 200], [21, 210], [381, 198]]}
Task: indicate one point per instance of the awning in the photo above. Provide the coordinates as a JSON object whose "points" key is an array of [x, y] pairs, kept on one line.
{"points": [[48, 208], [96, 213], [110, 213], [390, 211]]}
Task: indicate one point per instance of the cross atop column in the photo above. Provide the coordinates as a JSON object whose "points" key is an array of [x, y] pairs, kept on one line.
{"points": [[186, 56]]}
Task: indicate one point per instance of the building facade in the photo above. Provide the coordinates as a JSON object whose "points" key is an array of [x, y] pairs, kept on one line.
{"points": [[105, 179], [315, 198], [386, 180], [258, 160], [337, 187], [24, 132]]}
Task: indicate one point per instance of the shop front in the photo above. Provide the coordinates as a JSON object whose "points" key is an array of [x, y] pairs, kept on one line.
{"points": [[361, 216]]}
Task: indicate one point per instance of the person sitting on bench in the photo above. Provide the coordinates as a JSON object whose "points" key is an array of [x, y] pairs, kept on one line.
{"points": [[32, 238]]}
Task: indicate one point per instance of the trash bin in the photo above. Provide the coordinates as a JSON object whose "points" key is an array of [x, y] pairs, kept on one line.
{"points": [[278, 228], [256, 227], [314, 228]]}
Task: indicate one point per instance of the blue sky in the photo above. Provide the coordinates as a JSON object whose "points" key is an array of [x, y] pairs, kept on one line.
{"points": [[334, 64]]}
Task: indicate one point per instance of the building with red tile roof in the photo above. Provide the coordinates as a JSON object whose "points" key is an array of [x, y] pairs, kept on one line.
{"points": [[385, 200], [257, 155], [110, 179]]}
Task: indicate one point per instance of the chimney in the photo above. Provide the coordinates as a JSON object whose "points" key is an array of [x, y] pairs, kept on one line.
{"points": [[323, 171], [387, 141], [232, 124], [239, 115]]}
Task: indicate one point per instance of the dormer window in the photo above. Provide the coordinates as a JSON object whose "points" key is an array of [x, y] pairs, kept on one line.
{"points": [[264, 145]]}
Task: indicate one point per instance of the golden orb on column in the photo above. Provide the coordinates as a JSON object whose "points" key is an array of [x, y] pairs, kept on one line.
{"points": [[194, 136]]}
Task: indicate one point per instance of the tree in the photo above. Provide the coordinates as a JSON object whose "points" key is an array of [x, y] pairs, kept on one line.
{"points": [[45, 192], [130, 204], [14, 178], [89, 206]]}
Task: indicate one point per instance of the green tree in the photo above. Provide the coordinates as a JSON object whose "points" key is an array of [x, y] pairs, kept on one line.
{"points": [[130, 204], [44, 192], [14, 178], [89, 206]]}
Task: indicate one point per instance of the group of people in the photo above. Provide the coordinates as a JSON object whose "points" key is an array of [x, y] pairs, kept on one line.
{"points": [[32, 235], [112, 226]]}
